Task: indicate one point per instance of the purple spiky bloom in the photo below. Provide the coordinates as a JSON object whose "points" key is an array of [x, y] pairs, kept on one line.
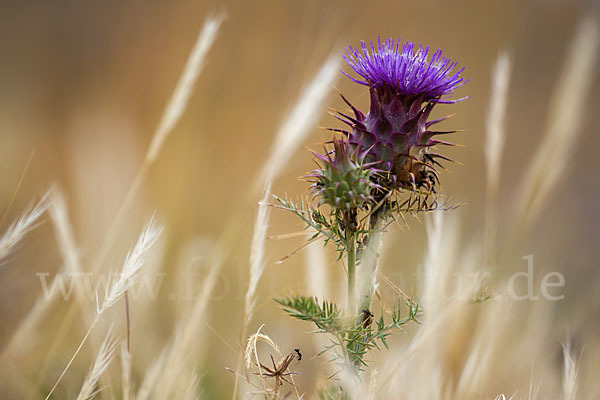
{"points": [[406, 73], [404, 87]]}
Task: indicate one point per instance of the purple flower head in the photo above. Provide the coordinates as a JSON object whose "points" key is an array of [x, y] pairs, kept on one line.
{"points": [[396, 133], [405, 72]]}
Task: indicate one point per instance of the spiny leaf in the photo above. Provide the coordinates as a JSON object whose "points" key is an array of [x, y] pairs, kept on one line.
{"points": [[324, 315]]}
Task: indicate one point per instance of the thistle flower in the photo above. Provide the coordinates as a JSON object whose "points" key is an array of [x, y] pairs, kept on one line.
{"points": [[407, 73], [345, 181], [404, 87]]}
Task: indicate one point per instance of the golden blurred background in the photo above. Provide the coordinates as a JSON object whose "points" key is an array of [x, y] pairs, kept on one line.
{"points": [[84, 84]]}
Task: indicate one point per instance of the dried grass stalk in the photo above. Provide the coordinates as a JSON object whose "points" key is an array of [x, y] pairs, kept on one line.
{"points": [[125, 371], [569, 374], [103, 359], [128, 277], [185, 86], [188, 337], [18, 229], [302, 119], [291, 133], [563, 127], [494, 144]]}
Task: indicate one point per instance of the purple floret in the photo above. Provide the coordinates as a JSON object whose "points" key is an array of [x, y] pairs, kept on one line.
{"points": [[406, 72]]}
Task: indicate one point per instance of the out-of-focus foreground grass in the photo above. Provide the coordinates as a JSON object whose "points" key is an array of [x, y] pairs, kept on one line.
{"points": [[83, 87]]}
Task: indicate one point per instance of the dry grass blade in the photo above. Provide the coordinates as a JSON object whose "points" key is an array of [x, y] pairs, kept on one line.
{"points": [[173, 112], [16, 191], [317, 273], [128, 277], [257, 251], [191, 390], [367, 271], [442, 236], [125, 371], [185, 86], [189, 334], [252, 351], [171, 115], [151, 376], [131, 269], [302, 118], [272, 375], [64, 233], [495, 138], [485, 344], [69, 251], [55, 203], [102, 361], [251, 346], [373, 384], [569, 374], [71, 264], [496, 121], [18, 229], [290, 135], [565, 116], [503, 397]]}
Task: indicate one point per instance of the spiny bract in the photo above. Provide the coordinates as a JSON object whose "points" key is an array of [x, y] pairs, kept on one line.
{"points": [[345, 181]]}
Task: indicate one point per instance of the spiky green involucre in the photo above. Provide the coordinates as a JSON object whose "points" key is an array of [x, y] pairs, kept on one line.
{"points": [[344, 182]]}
